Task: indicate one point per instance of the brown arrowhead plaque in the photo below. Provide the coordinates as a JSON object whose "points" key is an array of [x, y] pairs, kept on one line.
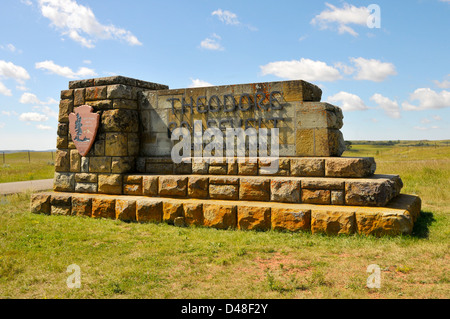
{"points": [[83, 126]]}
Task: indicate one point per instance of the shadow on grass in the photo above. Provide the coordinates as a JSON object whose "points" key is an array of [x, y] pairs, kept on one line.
{"points": [[421, 227]]}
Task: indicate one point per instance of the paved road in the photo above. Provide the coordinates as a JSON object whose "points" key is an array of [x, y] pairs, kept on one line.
{"points": [[18, 187]]}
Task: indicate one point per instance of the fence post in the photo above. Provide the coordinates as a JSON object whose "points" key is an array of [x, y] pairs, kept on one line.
{"points": [[29, 159], [3, 157]]}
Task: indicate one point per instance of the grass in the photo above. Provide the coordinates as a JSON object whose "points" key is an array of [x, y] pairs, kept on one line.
{"points": [[130, 260], [17, 167]]}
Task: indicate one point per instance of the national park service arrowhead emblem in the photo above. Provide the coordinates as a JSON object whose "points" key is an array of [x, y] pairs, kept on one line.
{"points": [[83, 126]]}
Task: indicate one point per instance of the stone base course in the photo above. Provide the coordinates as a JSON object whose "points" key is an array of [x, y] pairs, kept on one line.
{"points": [[377, 190], [395, 219], [342, 167]]}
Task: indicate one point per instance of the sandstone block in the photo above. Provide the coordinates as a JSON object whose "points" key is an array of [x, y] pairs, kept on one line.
{"points": [[220, 216], [301, 91], [62, 142], [63, 129], [313, 167], [333, 222], [337, 198], [116, 144], [248, 168], [253, 218], [86, 178], [100, 164], [81, 206], [350, 167], [126, 209], [40, 204], [75, 161], [150, 185], [227, 192], [179, 222], [370, 192], [100, 104], [64, 182], [104, 207], [257, 189], [323, 183], [79, 97], [382, 223], [198, 187], [122, 164], [65, 108], [62, 161], [320, 197], [120, 120], [148, 210], [86, 188], [183, 168], [172, 210], [95, 93], [173, 186], [199, 168], [285, 190], [218, 169], [125, 104], [193, 214], [66, 94], [132, 189], [290, 219], [110, 184], [120, 91]]}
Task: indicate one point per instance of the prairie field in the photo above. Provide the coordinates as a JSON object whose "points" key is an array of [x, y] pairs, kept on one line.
{"points": [[131, 260], [17, 167]]}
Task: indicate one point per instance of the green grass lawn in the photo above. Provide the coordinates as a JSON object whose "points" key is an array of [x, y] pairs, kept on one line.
{"points": [[18, 167], [130, 260]]}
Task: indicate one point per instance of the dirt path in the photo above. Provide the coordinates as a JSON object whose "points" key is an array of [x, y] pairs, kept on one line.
{"points": [[18, 187]]}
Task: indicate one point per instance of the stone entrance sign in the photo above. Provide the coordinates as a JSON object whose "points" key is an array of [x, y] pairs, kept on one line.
{"points": [[113, 161]]}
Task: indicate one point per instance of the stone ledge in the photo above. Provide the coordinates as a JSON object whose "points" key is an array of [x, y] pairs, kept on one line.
{"points": [[396, 219], [111, 80], [346, 167]]}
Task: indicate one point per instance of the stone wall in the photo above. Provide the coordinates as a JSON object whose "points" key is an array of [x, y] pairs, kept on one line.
{"points": [[117, 143]]}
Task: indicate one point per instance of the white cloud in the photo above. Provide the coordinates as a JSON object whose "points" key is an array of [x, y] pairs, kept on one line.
{"points": [[64, 70], [27, 2], [444, 84], [33, 117], [21, 88], [391, 108], [437, 117], [423, 128], [428, 99], [2, 125], [4, 90], [344, 68], [342, 18], [47, 111], [11, 71], [348, 101], [372, 70], [30, 98], [196, 83], [212, 43], [226, 17], [9, 47], [80, 24], [303, 69], [43, 127]]}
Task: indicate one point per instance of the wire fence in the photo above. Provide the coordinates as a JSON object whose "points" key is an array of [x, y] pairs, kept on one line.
{"points": [[26, 156]]}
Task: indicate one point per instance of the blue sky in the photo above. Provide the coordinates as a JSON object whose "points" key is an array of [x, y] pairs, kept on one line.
{"points": [[393, 82]]}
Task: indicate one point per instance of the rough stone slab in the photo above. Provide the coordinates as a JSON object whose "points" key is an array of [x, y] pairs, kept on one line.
{"points": [[116, 80], [40, 203], [333, 222], [126, 209], [395, 219], [253, 218], [350, 167], [375, 191], [342, 167]]}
